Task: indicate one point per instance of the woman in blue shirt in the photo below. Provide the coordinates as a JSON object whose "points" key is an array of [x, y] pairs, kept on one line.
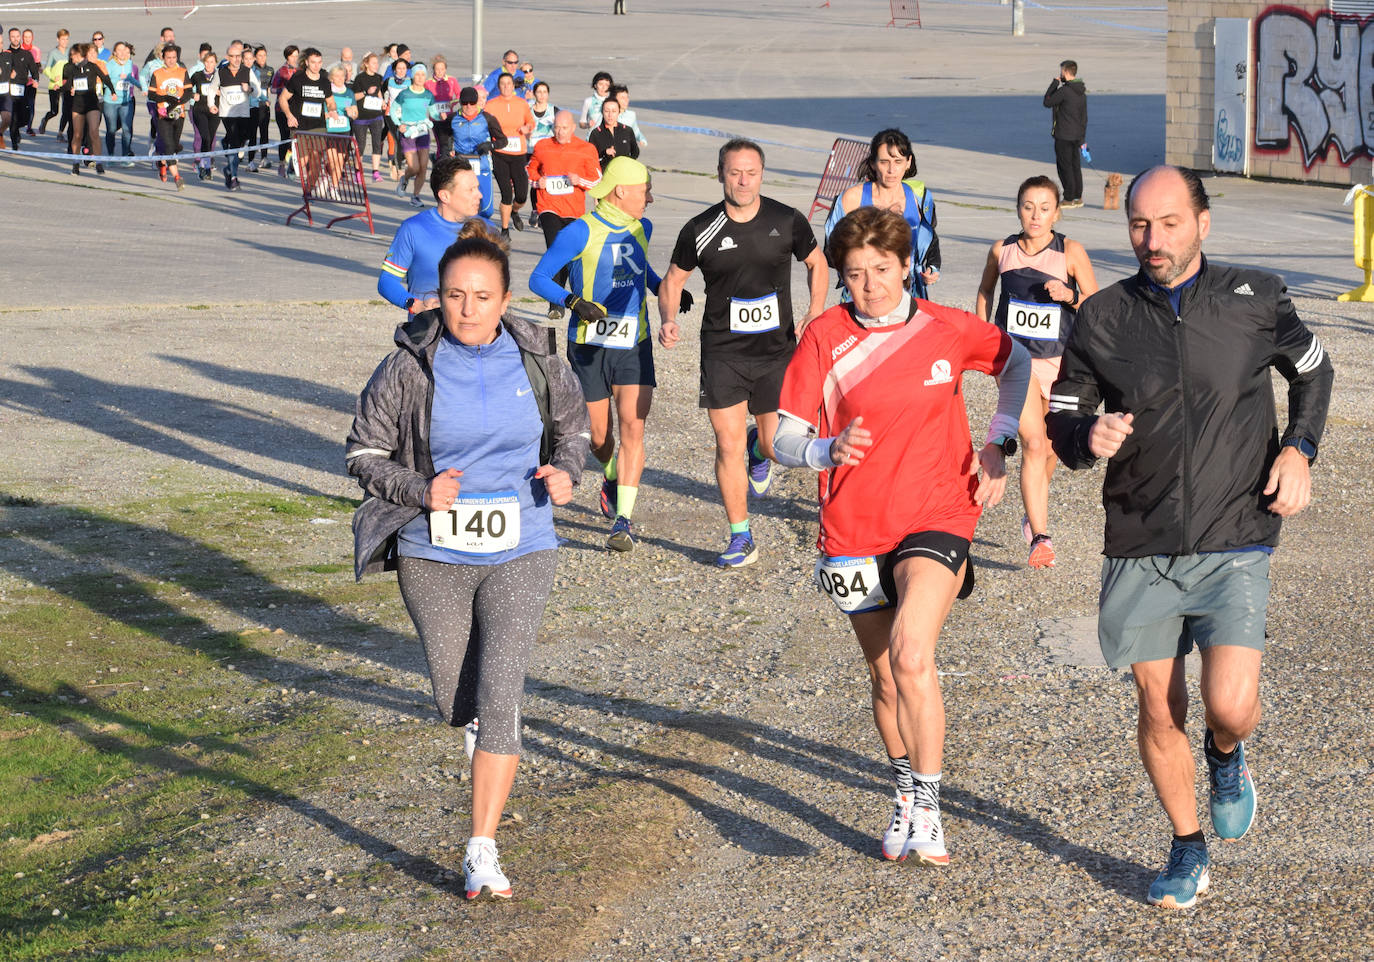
{"points": [[117, 102], [464, 439], [413, 112]]}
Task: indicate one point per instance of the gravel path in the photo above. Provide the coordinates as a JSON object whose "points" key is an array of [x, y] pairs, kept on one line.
{"points": [[702, 739]]}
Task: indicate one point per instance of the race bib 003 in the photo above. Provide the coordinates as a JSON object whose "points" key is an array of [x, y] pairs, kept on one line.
{"points": [[851, 583], [1038, 322], [558, 186], [754, 315], [613, 331], [478, 524]]}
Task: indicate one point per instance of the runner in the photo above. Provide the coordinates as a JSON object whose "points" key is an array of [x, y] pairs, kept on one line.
{"points": [[879, 381], [369, 91], [510, 67], [117, 101], [338, 120], [304, 100], [84, 81], [744, 247], [22, 70], [591, 107], [205, 110], [628, 116], [261, 114], [888, 179], [413, 112], [237, 86], [1197, 485], [1045, 277], [612, 138], [508, 162], [31, 87], [543, 113], [445, 90], [169, 90], [410, 270], [476, 134], [562, 168], [53, 63], [291, 56], [461, 507], [608, 332]]}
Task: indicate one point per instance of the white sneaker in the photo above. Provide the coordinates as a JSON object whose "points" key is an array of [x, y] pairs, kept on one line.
{"points": [[470, 738], [927, 838], [482, 871], [894, 839]]}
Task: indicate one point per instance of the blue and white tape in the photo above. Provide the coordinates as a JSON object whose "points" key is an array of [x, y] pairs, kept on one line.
{"points": [[139, 158]]}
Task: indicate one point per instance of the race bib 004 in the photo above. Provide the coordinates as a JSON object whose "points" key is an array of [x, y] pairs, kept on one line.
{"points": [[478, 524], [754, 315], [851, 583], [612, 331], [1038, 322]]}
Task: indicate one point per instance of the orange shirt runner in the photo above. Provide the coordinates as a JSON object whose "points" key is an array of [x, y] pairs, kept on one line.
{"points": [[556, 161], [513, 114]]}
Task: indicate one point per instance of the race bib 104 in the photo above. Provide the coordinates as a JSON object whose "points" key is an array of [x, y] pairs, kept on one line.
{"points": [[1038, 322], [613, 331], [851, 583], [754, 315], [478, 524]]}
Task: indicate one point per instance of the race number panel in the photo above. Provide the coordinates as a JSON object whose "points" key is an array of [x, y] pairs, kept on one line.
{"points": [[372, 103], [558, 185], [1038, 322], [613, 331], [478, 524], [851, 583], [312, 110], [233, 96], [754, 315]]}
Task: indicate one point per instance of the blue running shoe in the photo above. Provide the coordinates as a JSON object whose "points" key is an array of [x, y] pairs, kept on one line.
{"points": [[609, 491], [760, 469], [1233, 792], [1183, 879], [621, 539], [740, 552]]}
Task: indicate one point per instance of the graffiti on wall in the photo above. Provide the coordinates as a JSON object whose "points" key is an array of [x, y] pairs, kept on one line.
{"points": [[1314, 81]]}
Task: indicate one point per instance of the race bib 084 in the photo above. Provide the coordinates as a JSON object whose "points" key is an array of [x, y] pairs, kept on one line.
{"points": [[851, 583], [478, 524], [1038, 322], [754, 315]]}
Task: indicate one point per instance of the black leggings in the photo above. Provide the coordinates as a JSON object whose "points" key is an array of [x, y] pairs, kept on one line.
{"points": [[207, 125], [550, 223], [169, 134], [283, 133], [508, 170], [373, 130], [85, 130]]}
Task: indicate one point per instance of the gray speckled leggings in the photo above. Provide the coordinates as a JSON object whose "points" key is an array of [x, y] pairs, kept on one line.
{"points": [[478, 624]]}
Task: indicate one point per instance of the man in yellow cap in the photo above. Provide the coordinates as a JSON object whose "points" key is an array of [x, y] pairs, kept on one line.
{"points": [[606, 253]]}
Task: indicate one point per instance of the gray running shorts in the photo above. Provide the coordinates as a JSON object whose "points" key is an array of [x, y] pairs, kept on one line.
{"points": [[1161, 606]]}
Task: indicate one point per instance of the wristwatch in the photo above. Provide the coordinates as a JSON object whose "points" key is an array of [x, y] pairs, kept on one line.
{"points": [[1008, 446], [1305, 447]]}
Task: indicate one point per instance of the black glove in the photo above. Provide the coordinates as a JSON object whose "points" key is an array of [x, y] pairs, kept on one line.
{"points": [[587, 310], [484, 148], [685, 303]]}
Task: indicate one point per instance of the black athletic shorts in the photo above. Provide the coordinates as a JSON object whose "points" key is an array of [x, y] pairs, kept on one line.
{"points": [[948, 549], [601, 368], [726, 381]]}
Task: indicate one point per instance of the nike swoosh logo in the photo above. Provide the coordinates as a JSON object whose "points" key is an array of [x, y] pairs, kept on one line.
{"points": [[520, 393]]}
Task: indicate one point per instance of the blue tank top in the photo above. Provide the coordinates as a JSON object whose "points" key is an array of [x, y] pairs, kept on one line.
{"points": [[1025, 309]]}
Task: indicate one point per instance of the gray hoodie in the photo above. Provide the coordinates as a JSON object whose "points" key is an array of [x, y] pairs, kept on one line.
{"points": [[388, 446]]}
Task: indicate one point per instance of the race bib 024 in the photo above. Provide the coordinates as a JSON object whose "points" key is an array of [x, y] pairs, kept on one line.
{"points": [[613, 331], [478, 524], [852, 584]]}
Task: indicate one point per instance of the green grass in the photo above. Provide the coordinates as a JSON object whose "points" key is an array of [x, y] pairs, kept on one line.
{"points": [[122, 722]]}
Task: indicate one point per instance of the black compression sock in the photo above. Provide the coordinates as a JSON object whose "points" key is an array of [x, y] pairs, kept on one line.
{"points": [[1196, 838], [1209, 745]]}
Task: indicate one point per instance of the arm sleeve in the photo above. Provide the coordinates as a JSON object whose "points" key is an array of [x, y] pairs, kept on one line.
{"points": [[1074, 399], [1054, 95], [498, 136], [1013, 381], [391, 282], [652, 280], [634, 145], [932, 257], [836, 215], [1302, 360], [565, 247], [373, 439], [568, 410], [794, 447]]}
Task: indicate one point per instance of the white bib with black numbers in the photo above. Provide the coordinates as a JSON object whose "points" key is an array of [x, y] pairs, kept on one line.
{"points": [[312, 109], [478, 524], [514, 145], [1038, 322], [754, 315], [613, 331], [79, 85], [851, 583], [372, 103], [558, 185], [233, 96]]}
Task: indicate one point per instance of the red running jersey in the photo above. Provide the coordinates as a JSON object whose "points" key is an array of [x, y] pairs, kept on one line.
{"points": [[905, 380]]}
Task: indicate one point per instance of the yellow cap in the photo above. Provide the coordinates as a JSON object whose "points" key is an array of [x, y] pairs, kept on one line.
{"points": [[620, 171]]}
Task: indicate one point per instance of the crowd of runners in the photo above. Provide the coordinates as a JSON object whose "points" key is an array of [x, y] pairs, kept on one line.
{"points": [[473, 428]]}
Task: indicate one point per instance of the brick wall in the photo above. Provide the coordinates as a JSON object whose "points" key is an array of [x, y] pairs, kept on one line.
{"points": [[1189, 85]]}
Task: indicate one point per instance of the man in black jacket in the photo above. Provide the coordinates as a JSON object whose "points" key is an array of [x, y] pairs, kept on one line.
{"points": [[1197, 484], [1067, 97]]}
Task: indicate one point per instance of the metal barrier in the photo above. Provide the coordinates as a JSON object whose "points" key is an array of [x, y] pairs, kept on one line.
{"points": [[188, 6], [907, 11], [845, 157], [330, 171], [1362, 198]]}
